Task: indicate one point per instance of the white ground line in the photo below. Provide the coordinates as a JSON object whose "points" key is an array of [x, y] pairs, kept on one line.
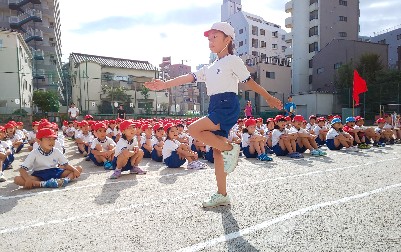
{"points": [[165, 200], [183, 173], [287, 216]]}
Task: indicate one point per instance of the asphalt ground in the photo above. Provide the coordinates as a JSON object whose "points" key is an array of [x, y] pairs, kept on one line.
{"points": [[341, 202]]}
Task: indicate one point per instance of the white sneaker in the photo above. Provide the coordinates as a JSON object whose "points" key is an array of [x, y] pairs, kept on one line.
{"points": [[231, 158], [216, 200], [354, 149], [2, 178], [194, 165]]}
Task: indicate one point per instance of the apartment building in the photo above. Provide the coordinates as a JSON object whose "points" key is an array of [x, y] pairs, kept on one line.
{"points": [[91, 75], [15, 73], [393, 40], [38, 21], [314, 24]]}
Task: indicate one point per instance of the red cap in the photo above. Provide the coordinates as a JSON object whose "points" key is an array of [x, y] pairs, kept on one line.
{"points": [[298, 118], [55, 126], [126, 124], [65, 123], [88, 117], [250, 122], [381, 120], [168, 126], [45, 124], [145, 126], [99, 126], [45, 133], [312, 116], [157, 127], [83, 123], [9, 126], [13, 123], [278, 118], [358, 118], [288, 118], [20, 123], [270, 120], [240, 120], [112, 122], [2, 129], [259, 119], [321, 119], [35, 123]]}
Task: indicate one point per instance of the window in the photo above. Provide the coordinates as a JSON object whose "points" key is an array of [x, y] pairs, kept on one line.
{"points": [[274, 46], [241, 43], [262, 32], [247, 95], [275, 34], [312, 2], [383, 41], [320, 70], [53, 44], [51, 39], [313, 31], [342, 34], [398, 38], [254, 53], [255, 43], [313, 15], [314, 47], [241, 31], [283, 48], [271, 75], [255, 30], [343, 18], [310, 79], [338, 65], [311, 63], [342, 2], [262, 44], [263, 56]]}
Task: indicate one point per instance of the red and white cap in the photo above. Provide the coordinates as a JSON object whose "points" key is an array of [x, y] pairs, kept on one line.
{"points": [[224, 27]]}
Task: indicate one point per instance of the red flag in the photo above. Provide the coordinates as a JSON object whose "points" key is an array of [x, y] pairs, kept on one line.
{"points": [[359, 87]]}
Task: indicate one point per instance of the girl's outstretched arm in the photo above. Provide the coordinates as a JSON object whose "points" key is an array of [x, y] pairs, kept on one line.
{"points": [[271, 100], [156, 84]]}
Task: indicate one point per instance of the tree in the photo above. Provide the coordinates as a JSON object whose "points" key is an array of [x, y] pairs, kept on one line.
{"points": [[46, 101], [369, 66], [115, 94], [148, 105]]}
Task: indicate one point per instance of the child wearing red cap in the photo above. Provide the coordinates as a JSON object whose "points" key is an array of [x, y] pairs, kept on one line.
{"points": [[157, 143], [6, 155], [32, 135], [260, 127], [84, 139], [320, 131], [389, 126], [253, 143], [311, 124], [369, 132], [146, 140], [336, 138], [175, 154], [304, 140], [127, 155], [283, 143], [102, 147], [110, 130], [48, 165], [385, 135]]}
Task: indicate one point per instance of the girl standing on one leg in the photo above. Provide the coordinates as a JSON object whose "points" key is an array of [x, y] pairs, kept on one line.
{"points": [[221, 78]]}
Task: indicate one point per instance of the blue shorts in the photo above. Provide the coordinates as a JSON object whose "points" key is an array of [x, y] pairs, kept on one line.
{"points": [[224, 109], [300, 149], [330, 144], [155, 157], [19, 148], [126, 167], [86, 149], [209, 156], [47, 174], [247, 154], [92, 157], [174, 160], [9, 159], [278, 151], [320, 141], [146, 153]]}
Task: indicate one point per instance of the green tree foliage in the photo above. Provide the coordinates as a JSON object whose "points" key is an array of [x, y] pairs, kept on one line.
{"points": [[369, 66], [46, 101], [148, 106]]}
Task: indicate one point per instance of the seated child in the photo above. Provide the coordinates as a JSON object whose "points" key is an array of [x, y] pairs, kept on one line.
{"points": [[146, 140], [369, 133], [16, 140], [84, 139], [32, 135], [182, 136], [8, 155], [386, 136], [127, 155], [49, 166], [157, 143], [320, 131], [19, 129], [357, 134], [198, 147], [253, 143], [283, 143], [175, 153], [260, 127], [102, 147], [110, 130], [305, 140], [336, 138], [310, 126], [388, 126]]}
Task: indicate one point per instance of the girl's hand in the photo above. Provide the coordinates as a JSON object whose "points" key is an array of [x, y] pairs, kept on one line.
{"points": [[155, 84], [76, 173], [274, 103]]}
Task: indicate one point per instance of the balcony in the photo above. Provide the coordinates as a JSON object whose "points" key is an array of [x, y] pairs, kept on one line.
{"points": [[31, 34], [17, 4], [39, 74], [288, 22], [38, 54], [288, 37], [314, 22], [288, 6], [313, 7], [31, 15], [288, 52]]}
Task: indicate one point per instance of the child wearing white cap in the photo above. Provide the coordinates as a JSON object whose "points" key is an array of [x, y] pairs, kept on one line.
{"points": [[221, 78]]}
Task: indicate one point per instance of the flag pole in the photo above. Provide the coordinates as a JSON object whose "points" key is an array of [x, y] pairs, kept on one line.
{"points": [[353, 101]]}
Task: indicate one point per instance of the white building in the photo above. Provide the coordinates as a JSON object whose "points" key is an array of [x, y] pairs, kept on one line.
{"points": [[15, 73], [91, 75]]}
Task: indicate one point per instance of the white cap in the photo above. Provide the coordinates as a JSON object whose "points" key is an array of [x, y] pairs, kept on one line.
{"points": [[223, 27]]}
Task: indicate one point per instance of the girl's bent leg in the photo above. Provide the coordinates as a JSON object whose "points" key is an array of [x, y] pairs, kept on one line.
{"points": [[221, 176]]}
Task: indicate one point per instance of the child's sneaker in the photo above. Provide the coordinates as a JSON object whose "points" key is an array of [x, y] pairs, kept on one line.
{"points": [[216, 200], [321, 153], [116, 174], [108, 165], [2, 178], [231, 158], [137, 170], [51, 183], [315, 153], [266, 157]]}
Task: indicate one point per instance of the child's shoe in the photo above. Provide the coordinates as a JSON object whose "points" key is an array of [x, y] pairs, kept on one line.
{"points": [[51, 183], [315, 152], [266, 157], [2, 178], [137, 170], [231, 158], [321, 153], [116, 174], [108, 165], [216, 200]]}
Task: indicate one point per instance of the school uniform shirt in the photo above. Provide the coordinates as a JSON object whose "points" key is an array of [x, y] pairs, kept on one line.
{"points": [[276, 135], [294, 130], [310, 127], [88, 138], [317, 129], [360, 127], [169, 146], [20, 133], [156, 141], [387, 126], [70, 130], [143, 139], [15, 138], [57, 145], [245, 139], [104, 143], [223, 75], [231, 136], [31, 135], [332, 133], [123, 144], [378, 130], [5, 144], [116, 132], [38, 160], [110, 130]]}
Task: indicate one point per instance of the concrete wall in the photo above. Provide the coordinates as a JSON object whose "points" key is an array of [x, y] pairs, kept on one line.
{"points": [[393, 39], [315, 104]]}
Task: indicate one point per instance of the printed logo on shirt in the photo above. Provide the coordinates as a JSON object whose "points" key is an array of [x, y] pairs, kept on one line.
{"points": [[218, 70]]}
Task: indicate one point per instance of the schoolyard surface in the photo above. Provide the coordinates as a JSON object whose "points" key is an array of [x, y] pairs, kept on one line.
{"points": [[342, 202]]}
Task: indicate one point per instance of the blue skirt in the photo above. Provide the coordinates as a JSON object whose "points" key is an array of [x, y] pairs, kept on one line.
{"points": [[330, 144], [174, 160], [247, 154], [278, 151], [224, 109], [155, 157]]}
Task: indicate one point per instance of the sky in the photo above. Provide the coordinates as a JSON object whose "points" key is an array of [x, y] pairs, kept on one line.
{"points": [[156, 28]]}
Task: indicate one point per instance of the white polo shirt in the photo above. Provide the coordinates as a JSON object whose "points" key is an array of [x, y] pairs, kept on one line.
{"points": [[104, 143], [276, 134], [74, 111], [223, 75], [123, 144], [331, 134], [169, 146], [37, 160]]}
